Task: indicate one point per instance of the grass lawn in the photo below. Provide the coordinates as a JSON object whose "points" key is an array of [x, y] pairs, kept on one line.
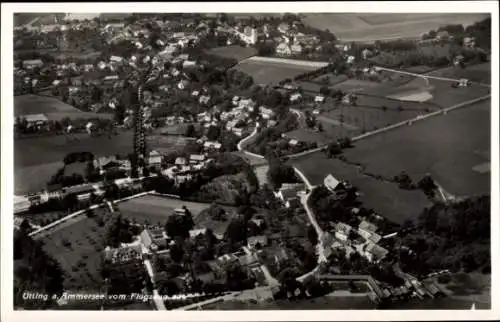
{"points": [[446, 146], [53, 108], [267, 73], [81, 259], [236, 52], [156, 209], [385, 198]]}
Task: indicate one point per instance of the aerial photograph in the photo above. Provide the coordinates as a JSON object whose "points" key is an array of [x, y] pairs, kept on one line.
{"points": [[251, 161]]}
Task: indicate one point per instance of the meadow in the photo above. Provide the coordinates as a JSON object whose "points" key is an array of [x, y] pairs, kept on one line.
{"points": [[446, 146], [267, 73], [237, 52]]}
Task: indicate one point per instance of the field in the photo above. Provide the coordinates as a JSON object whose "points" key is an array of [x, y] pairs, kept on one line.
{"points": [[379, 26], [156, 209], [446, 146], [384, 197], [53, 108], [237, 52], [77, 247], [370, 115], [267, 73]]}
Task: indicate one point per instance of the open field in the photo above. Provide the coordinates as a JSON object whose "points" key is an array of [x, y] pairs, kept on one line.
{"points": [[379, 26], [156, 209], [384, 197], [77, 247], [370, 114], [236, 52], [266, 72], [446, 146], [53, 108]]}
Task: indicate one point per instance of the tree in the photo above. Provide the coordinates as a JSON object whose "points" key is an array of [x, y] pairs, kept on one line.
{"points": [[427, 185], [333, 149], [279, 173], [404, 181], [312, 235], [179, 225], [190, 131], [236, 232]]}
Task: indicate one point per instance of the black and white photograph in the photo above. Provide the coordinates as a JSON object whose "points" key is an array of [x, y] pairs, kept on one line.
{"points": [[217, 161]]}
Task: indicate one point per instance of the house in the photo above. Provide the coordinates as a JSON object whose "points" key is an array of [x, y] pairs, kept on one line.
{"points": [[196, 158], [342, 231], [123, 255], [180, 161], [293, 142], [204, 99], [266, 113], [289, 193], [296, 49], [155, 159], [366, 53], [295, 97], [283, 49], [116, 59], [103, 163], [188, 63], [375, 253], [32, 63], [237, 131], [212, 146], [82, 191], [195, 93], [442, 35], [469, 42], [153, 239], [283, 28], [257, 242], [331, 183], [319, 99], [350, 59], [36, 119], [182, 84], [195, 232]]}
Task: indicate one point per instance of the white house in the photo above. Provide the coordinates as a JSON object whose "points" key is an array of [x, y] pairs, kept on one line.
{"points": [[296, 48], [319, 99], [295, 97]]}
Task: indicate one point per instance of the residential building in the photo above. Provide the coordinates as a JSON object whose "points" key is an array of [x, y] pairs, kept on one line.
{"points": [[32, 63], [296, 48], [35, 119], [82, 191], [193, 233], [469, 42], [256, 242], [155, 159], [204, 99], [238, 131], [123, 255], [295, 97], [342, 231], [283, 28], [180, 161], [375, 253], [212, 146], [319, 99], [289, 194], [154, 239], [196, 158], [366, 53]]}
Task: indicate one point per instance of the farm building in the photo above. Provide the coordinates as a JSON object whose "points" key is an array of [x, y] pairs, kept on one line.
{"points": [[289, 194], [123, 255], [32, 63], [35, 119], [254, 241]]}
